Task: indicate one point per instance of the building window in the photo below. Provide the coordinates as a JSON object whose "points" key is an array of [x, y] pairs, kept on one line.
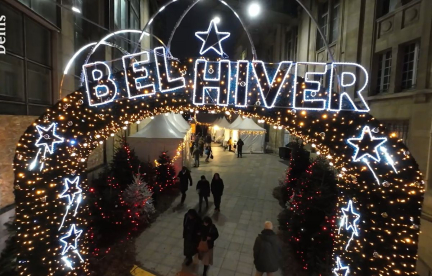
{"points": [[291, 44], [328, 21], [387, 6], [384, 71], [47, 9], [409, 67], [400, 128], [26, 68]]}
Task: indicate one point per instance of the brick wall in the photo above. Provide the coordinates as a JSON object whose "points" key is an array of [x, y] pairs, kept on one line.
{"points": [[11, 129]]}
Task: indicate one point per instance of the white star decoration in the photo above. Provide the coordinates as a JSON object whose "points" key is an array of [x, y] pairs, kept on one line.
{"points": [[349, 225], [51, 141], [339, 268], [68, 192], [71, 244], [375, 142], [203, 36]]}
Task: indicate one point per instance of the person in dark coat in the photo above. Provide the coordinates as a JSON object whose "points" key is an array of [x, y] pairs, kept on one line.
{"points": [[208, 233], [217, 187], [240, 144], [208, 139], [184, 177], [203, 189], [191, 229], [208, 152], [267, 251]]}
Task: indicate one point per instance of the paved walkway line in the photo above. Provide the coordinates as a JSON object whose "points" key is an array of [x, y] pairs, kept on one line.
{"points": [[246, 203]]}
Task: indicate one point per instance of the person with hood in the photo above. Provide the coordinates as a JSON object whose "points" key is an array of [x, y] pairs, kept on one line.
{"points": [[229, 144], [217, 187], [191, 229], [267, 251], [196, 155], [184, 177], [240, 148], [208, 234], [203, 189]]}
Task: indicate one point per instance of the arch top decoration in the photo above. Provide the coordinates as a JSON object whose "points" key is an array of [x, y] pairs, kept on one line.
{"points": [[380, 189]]}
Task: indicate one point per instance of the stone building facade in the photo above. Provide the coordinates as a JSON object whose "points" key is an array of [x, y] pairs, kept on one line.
{"points": [[41, 37], [392, 40]]}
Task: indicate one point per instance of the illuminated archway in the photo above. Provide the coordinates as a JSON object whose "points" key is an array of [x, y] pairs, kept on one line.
{"points": [[380, 190]]}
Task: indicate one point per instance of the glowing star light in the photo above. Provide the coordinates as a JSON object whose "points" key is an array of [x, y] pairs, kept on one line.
{"points": [[203, 36], [340, 269], [350, 224], [48, 138], [369, 150], [70, 240], [69, 192]]}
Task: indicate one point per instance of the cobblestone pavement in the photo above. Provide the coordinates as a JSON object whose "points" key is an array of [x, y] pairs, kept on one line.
{"points": [[246, 203]]}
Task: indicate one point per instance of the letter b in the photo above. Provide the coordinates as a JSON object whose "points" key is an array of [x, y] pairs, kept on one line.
{"points": [[100, 89]]}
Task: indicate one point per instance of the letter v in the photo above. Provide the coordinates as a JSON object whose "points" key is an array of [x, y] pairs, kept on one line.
{"points": [[270, 89]]}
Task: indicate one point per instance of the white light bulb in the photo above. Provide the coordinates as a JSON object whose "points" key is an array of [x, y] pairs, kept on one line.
{"points": [[75, 9], [254, 9], [217, 20]]}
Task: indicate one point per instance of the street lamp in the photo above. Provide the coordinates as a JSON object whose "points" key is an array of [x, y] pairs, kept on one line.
{"points": [[217, 19], [254, 9], [75, 9]]}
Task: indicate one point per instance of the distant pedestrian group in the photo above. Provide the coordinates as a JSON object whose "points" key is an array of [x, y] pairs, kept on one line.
{"points": [[200, 147]]}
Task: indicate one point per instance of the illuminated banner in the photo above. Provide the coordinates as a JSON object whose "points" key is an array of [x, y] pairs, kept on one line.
{"points": [[238, 83]]}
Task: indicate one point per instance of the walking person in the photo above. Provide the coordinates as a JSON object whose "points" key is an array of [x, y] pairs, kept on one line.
{"points": [[208, 152], [217, 187], [208, 139], [267, 251], [208, 234], [196, 154], [191, 229], [229, 144], [203, 189], [201, 146], [184, 177], [240, 148]]}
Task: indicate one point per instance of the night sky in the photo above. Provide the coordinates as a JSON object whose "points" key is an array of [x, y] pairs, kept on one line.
{"points": [[185, 44]]}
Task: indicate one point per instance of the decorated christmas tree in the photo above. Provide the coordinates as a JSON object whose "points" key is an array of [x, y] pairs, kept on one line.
{"points": [[310, 217], [138, 198], [111, 215], [299, 161], [165, 173]]}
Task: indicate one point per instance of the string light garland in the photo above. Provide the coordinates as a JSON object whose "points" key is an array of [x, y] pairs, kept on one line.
{"points": [[385, 245]]}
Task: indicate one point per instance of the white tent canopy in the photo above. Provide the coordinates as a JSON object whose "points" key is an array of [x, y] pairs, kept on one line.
{"points": [[228, 130], [181, 121], [236, 122], [253, 136], [218, 130], [159, 135]]}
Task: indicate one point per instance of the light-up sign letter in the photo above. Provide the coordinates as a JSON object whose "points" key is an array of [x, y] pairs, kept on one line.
{"points": [[270, 86], [212, 80], [348, 80], [241, 86], [166, 82], [313, 97], [100, 87], [142, 77]]}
